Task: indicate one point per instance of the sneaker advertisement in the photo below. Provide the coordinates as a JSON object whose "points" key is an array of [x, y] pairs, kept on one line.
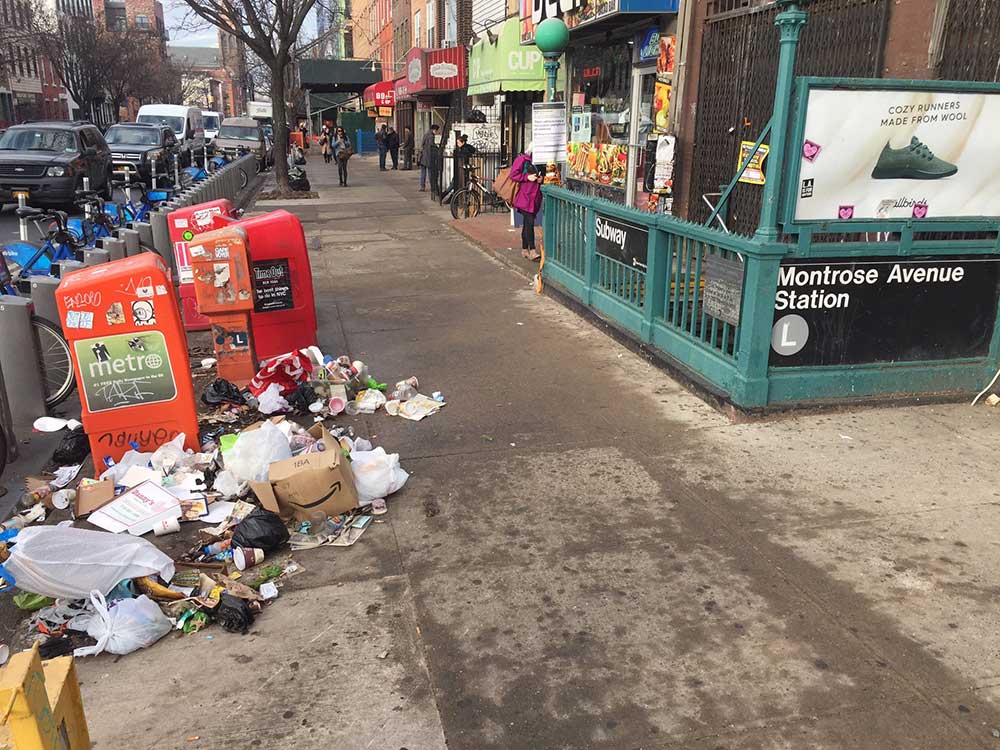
{"points": [[897, 155]]}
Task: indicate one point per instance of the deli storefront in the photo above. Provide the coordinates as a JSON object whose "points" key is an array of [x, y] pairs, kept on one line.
{"points": [[380, 101], [430, 78], [620, 66]]}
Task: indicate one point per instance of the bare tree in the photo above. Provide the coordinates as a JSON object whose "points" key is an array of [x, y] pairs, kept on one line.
{"points": [[270, 29]]}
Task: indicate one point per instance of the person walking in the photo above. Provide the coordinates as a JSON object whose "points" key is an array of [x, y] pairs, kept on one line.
{"points": [[325, 144], [342, 152], [383, 147], [392, 144], [408, 148], [428, 149], [528, 201]]}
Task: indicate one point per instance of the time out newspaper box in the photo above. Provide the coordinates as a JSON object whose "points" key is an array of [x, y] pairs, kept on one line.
{"points": [[284, 308], [130, 356], [222, 286], [184, 225]]}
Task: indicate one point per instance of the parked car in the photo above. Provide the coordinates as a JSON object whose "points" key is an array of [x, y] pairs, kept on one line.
{"points": [[239, 135], [47, 161], [145, 150], [187, 124], [210, 121]]}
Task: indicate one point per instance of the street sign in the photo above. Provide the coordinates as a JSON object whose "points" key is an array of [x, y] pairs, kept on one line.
{"points": [[723, 294], [621, 241], [840, 311]]}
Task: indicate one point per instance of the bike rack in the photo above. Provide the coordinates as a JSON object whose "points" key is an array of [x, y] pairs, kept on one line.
{"points": [[6, 423]]}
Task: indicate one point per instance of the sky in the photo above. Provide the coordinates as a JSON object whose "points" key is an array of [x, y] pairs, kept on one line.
{"points": [[183, 31]]}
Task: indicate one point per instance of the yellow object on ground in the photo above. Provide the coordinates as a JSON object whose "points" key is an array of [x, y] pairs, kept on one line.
{"points": [[41, 704]]}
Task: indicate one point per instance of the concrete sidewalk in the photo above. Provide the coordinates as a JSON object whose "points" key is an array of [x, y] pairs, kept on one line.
{"points": [[588, 556]]}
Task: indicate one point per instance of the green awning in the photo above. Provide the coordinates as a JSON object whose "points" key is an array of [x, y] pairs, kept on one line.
{"points": [[505, 65]]}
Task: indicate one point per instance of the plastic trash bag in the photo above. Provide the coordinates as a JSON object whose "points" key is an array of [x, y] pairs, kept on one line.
{"points": [[67, 563], [221, 391], [128, 626], [73, 448], [130, 459], [226, 484], [377, 474], [261, 529], [234, 614], [254, 451], [271, 400]]}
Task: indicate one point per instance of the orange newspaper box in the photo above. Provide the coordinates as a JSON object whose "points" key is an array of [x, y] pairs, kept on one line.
{"points": [[184, 225], [130, 356], [223, 289]]}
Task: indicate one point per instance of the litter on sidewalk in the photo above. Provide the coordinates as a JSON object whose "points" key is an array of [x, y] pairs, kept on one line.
{"points": [[259, 486]]}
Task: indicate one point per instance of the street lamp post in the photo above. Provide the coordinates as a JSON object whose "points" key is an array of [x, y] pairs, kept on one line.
{"points": [[551, 38]]}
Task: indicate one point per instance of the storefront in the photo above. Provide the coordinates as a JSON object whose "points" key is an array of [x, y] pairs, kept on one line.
{"points": [[430, 77], [620, 63], [405, 105], [380, 101], [502, 71]]}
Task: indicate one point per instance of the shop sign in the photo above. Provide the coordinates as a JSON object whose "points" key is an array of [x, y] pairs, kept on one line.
{"points": [[867, 310], [649, 45], [414, 70], [621, 241], [573, 12], [444, 70], [548, 131], [754, 173], [888, 154]]}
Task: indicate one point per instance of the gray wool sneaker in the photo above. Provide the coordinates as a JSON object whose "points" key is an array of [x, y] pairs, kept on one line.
{"points": [[913, 162]]}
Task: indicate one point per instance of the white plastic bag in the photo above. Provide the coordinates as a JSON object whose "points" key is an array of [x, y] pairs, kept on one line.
{"points": [[130, 459], [376, 474], [254, 451], [271, 400], [128, 626], [226, 484], [67, 563]]}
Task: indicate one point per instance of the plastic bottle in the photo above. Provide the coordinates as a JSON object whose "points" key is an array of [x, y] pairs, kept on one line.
{"points": [[403, 392], [218, 547], [29, 499]]}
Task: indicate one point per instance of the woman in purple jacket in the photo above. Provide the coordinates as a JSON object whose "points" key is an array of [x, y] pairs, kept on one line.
{"points": [[527, 201]]}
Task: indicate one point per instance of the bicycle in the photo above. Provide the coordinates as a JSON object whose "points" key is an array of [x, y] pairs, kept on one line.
{"points": [[149, 200], [467, 202], [59, 244], [55, 362], [100, 219]]}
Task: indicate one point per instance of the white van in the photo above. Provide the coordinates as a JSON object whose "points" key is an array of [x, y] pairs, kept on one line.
{"points": [[210, 121], [187, 124]]}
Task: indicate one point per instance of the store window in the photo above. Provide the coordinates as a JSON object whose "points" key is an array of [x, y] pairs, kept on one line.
{"points": [[600, 107]]}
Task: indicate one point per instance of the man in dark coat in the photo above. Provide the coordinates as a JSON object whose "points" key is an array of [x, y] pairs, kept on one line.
{"points": [[428, 153], [392, 144], [408, 146], [383, 147]]}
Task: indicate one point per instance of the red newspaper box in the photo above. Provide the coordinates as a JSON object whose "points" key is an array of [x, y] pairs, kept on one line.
{"points": [[284, 310], [184, 225], [130, 356]]}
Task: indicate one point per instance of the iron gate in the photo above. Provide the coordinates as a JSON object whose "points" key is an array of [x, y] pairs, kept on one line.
{"points": [[970, 49], [739, 67]]}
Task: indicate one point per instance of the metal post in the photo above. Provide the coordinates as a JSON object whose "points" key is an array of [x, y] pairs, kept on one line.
{"points": [[131, 239], [551, 66], [43, 295], [177, 174], [25, 393], [114, 247], [5, 421], [789, 23], [22, 224], [145, 233], [95, 257]]}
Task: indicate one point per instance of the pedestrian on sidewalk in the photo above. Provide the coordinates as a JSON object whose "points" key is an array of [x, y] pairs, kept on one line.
{"points": [[342, 151], [392, 143], [428, 148], [383, 147], [527, 201], [408, 148], [325, 145]]}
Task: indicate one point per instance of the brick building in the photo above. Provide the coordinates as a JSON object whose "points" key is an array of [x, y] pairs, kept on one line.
{"points": [[215, 78]]}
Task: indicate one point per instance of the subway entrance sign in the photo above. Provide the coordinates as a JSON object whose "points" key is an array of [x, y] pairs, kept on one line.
{"points": [[847, 311]]}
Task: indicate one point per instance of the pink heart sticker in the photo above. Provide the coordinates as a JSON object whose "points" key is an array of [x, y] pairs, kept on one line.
{"points": [[919, 210], [846, 212], [810, 150]]}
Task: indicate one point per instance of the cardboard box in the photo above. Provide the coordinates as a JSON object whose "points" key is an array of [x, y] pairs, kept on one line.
{"points": [[91, 497], [300, 486]]}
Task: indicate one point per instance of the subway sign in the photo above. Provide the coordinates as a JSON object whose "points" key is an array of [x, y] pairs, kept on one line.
{"points": [[867, 310], [621, 241]]}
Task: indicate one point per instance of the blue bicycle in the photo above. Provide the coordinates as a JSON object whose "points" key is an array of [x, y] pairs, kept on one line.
{"points": [[25, 259], [149, 200], [100, 220], [54, 362]]}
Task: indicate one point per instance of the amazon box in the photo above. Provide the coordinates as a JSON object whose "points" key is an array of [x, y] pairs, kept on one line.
{"points": [[300, 486]]}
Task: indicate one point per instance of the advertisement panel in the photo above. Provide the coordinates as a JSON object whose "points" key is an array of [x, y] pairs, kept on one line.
{"points": [[878, 154], [864, 310]]}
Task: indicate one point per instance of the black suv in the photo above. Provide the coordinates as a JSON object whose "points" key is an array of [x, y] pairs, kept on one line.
{"points": [[149, 150], [48, 161]]}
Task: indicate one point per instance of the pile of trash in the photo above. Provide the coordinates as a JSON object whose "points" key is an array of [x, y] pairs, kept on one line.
{"points": [[261, 485]]}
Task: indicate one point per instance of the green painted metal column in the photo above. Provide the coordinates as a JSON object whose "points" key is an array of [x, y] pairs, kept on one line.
{"points": [[789, 23]]}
